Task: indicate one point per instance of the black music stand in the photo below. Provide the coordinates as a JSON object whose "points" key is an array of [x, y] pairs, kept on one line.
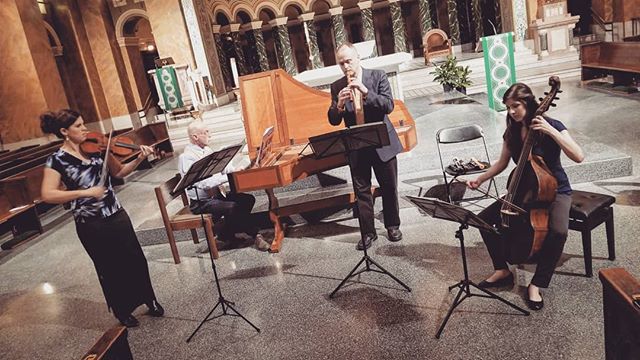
{"points": [[346, 141], [447, 211], [200, 170]]}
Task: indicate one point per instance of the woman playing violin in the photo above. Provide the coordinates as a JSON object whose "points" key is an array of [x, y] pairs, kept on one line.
{"points": [[521, 108], [103, 226]]}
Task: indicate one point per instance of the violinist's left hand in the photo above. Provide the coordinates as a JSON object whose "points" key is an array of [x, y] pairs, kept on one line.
{"points": [[541, 124], [145, 151]]}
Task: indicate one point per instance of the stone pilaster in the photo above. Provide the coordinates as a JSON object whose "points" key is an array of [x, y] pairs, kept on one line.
{"points": [[399, 38], [222, 57], [454, 26], [283, 45], [237, 45], [519, 8], [476, 15], [368, 30], [312, 40], [130, 49], [261, 50], [424, 16], [337, 23]]}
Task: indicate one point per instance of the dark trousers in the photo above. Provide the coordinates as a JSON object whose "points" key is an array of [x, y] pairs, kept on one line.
{"points": [[387, 174], [548, 256], [119, 261], [235, 208]]}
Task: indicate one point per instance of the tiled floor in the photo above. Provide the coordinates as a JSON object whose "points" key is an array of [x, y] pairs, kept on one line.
{"points": [[52, 307]]}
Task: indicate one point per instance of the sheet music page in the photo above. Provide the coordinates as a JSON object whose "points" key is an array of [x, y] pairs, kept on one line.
{"points": [[265, 147]]}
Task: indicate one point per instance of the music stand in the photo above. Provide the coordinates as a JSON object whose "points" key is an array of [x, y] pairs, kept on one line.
{"points": [[200, 170], [346, 141], [447, 211]]}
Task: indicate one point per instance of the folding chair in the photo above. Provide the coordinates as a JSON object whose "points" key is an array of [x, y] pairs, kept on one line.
{"points": [[459, 134]]}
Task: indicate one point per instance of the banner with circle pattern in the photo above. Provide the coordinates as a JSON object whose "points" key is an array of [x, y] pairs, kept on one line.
{"points": [[499, 67], [169, 87]]}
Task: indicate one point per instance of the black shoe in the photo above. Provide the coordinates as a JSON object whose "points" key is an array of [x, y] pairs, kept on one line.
{"points": [[394, 234], [506, 281], [534, 305], [129, 321], [155, 309], [368, 239]]}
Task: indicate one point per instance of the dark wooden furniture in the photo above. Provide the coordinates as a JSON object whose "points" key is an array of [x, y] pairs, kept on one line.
{"points": [[18, 213], [588, 211], [620, 59], [155, 135], [183, 219], [621, 316], [297, 112], [435, 43], [112, 345]]}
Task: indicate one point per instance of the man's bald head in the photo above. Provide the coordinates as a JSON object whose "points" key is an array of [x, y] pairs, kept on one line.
{"points": [[348, 58], [198, 133]]}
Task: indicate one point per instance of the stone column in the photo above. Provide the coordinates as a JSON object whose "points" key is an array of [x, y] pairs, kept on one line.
{"points": [[261, 50], [476, 15], [222, 57], [337, 23], [425, 16], [312, 40], [399, 38], [519, 8], [368, 29], [283, 45], [454, 25], [237, 45]]}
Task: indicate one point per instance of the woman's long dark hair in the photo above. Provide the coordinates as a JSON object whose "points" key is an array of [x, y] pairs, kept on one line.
{"points": [[52, 122], [519, 92]]}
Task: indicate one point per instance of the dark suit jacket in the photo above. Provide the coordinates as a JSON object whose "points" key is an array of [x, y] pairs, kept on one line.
{"points": [[377, 105]]}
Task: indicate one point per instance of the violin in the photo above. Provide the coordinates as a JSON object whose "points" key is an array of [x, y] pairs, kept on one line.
{"points": [[531, 186], [96, 143]]}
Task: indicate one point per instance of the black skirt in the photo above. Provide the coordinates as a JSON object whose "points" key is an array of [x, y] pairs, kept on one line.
{"points": [[119, 261]]}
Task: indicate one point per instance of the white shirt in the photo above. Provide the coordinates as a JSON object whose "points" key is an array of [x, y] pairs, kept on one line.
{"points": [[191, 154]]}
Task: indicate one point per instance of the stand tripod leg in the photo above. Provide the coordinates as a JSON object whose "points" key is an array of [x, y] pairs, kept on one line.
{"points": [[348, 277], [240, 315], [493, 295], [451, 308], [384, 271], [204, 320]]}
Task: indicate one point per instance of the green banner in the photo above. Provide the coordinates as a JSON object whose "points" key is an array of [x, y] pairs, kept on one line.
{"points": [[499, 67], [169, 87]]}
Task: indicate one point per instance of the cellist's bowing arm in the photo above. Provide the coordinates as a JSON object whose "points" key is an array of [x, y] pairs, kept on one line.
{"points": [[562, 138], [495, 169]]}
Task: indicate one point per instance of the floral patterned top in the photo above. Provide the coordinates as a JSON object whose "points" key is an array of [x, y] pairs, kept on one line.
{"points": [[77, 174]]}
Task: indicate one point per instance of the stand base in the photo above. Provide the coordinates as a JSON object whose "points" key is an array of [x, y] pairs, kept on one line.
{"points": [[225, 305], [465, 287], [368, 262]]}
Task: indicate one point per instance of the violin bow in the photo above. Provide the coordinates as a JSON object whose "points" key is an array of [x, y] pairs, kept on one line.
{"points": [[516, 207], [105, 167]]}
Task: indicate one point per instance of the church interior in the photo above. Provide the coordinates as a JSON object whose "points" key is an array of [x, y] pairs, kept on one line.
{"points": [[259, 75]]}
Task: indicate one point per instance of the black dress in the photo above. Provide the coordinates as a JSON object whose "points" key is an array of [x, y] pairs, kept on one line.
{"points": [[106, 232]]}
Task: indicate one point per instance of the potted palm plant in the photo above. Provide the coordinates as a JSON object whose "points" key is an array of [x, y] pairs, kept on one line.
{"points": [[452, 76]]}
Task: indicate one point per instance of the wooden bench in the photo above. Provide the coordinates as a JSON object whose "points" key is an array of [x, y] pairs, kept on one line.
{"points": [[112, 345], [18, 213], [620, 59], [435, 43], [183, 219]]}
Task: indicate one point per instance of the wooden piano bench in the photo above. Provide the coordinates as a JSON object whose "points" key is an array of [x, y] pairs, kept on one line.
{"points": [[588, 211]]}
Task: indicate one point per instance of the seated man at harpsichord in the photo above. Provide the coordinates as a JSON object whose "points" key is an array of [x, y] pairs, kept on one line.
{"points": [[234, 208]]}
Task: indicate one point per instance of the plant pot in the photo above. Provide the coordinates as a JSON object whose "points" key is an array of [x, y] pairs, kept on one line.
{"points": [[447, 87], [462, 90]]}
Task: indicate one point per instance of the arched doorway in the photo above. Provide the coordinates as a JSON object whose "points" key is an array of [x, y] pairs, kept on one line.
{"points": [[322, 23], [298, 41], [265, 16], [352, 18]]}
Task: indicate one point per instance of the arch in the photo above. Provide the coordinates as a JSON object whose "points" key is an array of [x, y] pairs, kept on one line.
{"points": [[53, 34], [299, 4], [242, 7], [317, 6], [242, 17], [126, 16], [221, 9], [266, 5]]}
